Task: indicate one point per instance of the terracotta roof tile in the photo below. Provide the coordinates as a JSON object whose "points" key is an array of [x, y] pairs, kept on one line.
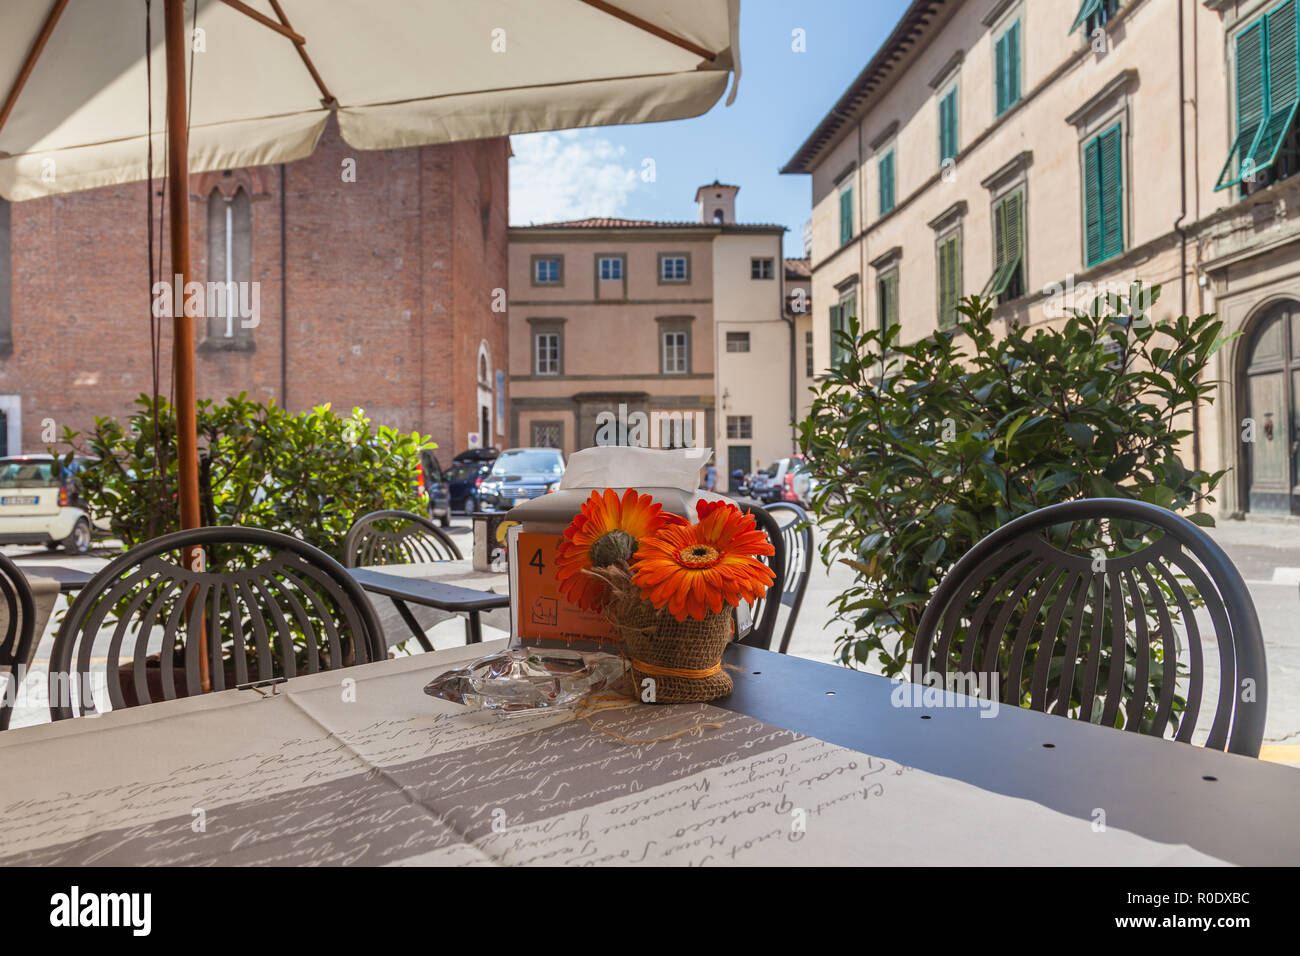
{"points": [[798, 269]]}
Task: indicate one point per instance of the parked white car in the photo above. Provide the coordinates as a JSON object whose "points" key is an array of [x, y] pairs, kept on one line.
{"points": [[41, 503]]}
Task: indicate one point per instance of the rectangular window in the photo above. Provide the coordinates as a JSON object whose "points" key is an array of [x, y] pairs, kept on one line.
{"points": [[740, 426], [761, 269], [676, 353], [846, 214], [672, 268], [1006, 52], [885, 170], [1267, 85], [611, 267], [1103, 196], [737, 341], [548, 435], [1008, 281], [546, 348], [546, 271], [948, 126], [949, 255], [230, 268], [809, 363], [840, 315], [887, 302]]}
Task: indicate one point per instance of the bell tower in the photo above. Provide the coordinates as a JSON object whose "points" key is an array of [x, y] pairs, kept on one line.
{"points": [[717, 203]]}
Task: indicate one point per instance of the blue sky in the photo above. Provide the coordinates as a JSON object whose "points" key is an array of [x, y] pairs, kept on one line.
{"points": [[783, 94]]}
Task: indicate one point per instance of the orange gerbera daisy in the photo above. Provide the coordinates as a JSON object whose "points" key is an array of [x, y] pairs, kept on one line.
{"points": [[694, 569], [604, 532]]}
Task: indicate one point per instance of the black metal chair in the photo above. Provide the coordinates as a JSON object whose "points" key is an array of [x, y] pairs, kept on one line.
{"points": [[271, 607], [796, 534], [396, 537], [1106, 618], [16, 646], [399, 537], [764, 611]]}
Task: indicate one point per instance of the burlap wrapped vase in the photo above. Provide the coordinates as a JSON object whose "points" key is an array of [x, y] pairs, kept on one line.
{"points": [[683, 658]]}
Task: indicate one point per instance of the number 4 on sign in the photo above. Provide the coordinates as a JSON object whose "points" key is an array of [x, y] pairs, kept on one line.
{"points": [[536, 561]]}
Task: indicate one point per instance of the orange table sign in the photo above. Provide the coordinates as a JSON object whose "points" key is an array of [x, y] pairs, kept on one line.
{"points": [[542, 612]]}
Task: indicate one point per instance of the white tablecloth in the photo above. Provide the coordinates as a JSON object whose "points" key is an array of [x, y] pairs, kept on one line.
{"points": [[360, 766]]}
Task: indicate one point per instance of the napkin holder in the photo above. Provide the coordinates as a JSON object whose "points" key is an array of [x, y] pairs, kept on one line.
{"points": [[540, 615]]}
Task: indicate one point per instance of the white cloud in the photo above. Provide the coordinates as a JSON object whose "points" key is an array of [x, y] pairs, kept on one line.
{"points": [[570, 174]]}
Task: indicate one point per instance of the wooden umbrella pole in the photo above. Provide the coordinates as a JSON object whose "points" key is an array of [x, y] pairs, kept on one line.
{"points": [[187, 451]]}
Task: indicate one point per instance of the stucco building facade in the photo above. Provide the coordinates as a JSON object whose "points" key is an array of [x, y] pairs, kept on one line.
{"points": [[675, 331], [1034, 151]]}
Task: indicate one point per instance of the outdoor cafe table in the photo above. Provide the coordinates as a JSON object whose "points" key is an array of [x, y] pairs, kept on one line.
{"points": [[440, 590], [360, 766]]}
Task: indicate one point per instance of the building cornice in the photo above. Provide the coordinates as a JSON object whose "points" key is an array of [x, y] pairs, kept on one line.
{"points": [[947, 70], [1009, 171], [1120, 84], [887, 259], [949, 217]]}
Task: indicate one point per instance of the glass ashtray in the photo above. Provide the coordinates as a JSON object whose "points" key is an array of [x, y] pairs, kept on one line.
{"points": [[522, 680]]}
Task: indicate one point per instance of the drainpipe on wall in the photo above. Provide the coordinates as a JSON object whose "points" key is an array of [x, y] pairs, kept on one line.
{"points": [[790, 321], [1178, 225]]}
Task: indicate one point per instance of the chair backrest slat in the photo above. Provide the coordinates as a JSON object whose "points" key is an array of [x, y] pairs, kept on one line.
{"points": [[981, 611], [1066, 597], [1118, 647], [1187, 724], [1168, 661], [1113, 623], [1016, 665], [260, 592], [1141, 655]]}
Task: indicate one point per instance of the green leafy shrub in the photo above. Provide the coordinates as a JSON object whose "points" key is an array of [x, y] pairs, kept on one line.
{"points": [[309, 474], [921, 450]]}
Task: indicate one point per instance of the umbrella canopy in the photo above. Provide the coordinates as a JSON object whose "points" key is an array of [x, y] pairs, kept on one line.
{"points": [[266, 74], [235, 83]]}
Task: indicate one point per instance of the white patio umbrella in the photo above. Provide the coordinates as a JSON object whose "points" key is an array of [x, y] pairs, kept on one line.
{"points": [[255, 82]]}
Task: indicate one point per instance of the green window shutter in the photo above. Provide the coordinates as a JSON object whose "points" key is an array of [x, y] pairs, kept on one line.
{"points": [[1013, 68], [885, 173], [1112, 192], [949, 281], [1092, 203], [1251, 105], [948, 126], [1009, 243], [887, 302], [1000, 69], [1088, 9], [1007, 63], [1015, 235], [1280, 60], [1103, 190], [836, 324], [846, 216]]}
